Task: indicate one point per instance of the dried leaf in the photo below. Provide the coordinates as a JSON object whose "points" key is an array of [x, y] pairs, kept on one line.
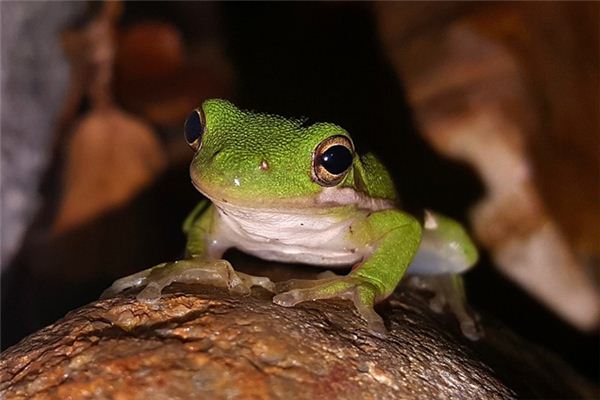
{"points": [[110, 158]]}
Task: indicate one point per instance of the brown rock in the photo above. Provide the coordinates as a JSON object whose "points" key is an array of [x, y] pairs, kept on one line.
{"points": [[205, 343]]}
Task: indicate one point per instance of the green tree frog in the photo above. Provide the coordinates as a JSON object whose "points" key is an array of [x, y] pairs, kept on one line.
{"points": [[285, 190]]}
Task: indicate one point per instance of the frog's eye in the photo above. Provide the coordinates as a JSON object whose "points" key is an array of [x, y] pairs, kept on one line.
{"points": [[332, 159], [194, 129]]}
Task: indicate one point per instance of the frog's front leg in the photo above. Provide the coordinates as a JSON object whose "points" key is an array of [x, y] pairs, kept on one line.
{"points": [[391, 239], [202, 265]]}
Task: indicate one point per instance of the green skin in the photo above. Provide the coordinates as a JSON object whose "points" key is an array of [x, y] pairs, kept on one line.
{"points": [[265, 162]]}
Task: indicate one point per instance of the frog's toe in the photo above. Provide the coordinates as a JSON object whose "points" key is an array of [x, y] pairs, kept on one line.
{"points": [[471, 328], [327, 274], [449, 292], [262, 281], [128, 282], [290, 298], [298, 290], [360, 292], [467, 319], [364, 301], [217, 273], [292, 284]]}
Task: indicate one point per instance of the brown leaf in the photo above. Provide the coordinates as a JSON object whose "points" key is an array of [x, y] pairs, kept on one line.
{"points": [[110, 158]]}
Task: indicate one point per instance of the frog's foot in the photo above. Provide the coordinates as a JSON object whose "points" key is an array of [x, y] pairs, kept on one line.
{"points": [[361, 292], [217, 273], [327, 274], [449, 291]]}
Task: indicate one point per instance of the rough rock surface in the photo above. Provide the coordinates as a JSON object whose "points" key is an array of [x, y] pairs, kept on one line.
{"points": [[200, 342]]}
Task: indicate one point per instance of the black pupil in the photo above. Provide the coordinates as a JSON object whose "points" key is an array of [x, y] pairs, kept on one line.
{"points": [[336, 159], [193, 127]]}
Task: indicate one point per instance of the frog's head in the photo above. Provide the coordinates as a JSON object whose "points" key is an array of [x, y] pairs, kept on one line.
{"points": [[254, 159]]}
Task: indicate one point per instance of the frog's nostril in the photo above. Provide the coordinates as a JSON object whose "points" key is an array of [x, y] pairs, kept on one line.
{"points": [[264, 165], [214, 155]]}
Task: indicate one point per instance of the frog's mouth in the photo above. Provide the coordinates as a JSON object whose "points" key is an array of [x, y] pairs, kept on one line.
{"points": [[328, 198], [222, 200], [206, 193], [222, 196]]}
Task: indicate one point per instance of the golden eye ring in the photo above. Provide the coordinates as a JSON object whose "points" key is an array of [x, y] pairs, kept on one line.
{"points": [[332, 160]]}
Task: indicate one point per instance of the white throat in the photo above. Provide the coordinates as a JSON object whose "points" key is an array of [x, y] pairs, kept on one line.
{"points": [[309, 235]]}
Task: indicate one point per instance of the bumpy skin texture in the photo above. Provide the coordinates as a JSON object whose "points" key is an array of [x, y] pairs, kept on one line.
{"points": [[237, 142], [260, 172]]}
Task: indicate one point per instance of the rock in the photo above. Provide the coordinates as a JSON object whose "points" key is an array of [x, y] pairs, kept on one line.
{"points": [[200, 342]]}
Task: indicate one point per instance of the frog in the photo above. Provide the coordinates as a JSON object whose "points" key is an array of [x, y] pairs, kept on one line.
{"points": [[287, 190]]}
